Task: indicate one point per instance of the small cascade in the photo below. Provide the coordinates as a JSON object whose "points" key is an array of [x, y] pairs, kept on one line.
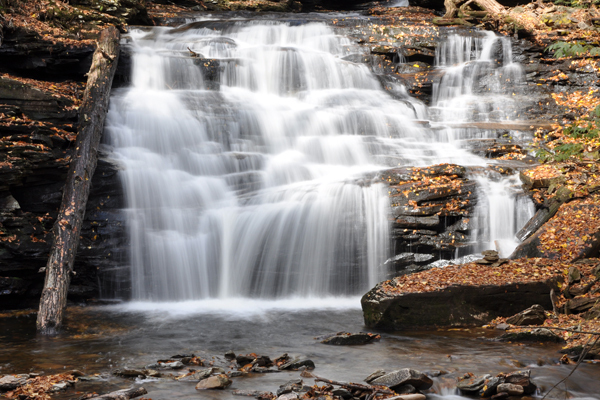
{"points": [[400, 3], [480, 80], [505, 210], [249, 152], [481, 83]]}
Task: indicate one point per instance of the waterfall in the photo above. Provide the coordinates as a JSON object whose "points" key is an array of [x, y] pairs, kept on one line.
{"points": [[259, 183]]}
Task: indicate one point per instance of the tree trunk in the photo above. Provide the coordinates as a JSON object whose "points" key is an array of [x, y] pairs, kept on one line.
{"points": [[67, 227]]}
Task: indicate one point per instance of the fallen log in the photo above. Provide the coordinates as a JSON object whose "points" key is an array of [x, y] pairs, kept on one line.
{"points": [[491, 7], [123, 394], [67, 227]]}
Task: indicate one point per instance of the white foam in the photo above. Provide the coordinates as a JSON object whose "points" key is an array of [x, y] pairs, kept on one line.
{"points": [[238, 308]]}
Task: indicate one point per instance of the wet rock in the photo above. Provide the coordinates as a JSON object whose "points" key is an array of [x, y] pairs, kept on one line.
{"points": [[535, 335], [462, 225], [534, 315], [351, 339], [490, 385], [472, 384], [166, 365], [230, 355], [511, 389], [374, 375], [152, 373], [294, 385], [414, 396], [404, 221], [57, 387], [297, 364], [406, 389], [172, 365], [405, 376], [500, 396], [490, 255], [205, 373], [435, 373], [253, 393], [282, 359], [523, 379], [90, 378], [404, 261], [288, 396], [214, 382], [130, 373], [11, 382]]}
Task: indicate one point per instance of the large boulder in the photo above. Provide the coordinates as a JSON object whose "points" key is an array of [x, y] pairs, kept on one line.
{"points": [[418, 300]]}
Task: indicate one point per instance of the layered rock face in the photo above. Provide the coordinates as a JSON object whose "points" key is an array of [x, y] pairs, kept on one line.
{"points": [[38, 127], [431, 212]]}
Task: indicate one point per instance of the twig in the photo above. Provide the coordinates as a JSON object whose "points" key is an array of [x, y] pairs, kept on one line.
{"points": [[555, 328], [357, 386], [581, 357]]}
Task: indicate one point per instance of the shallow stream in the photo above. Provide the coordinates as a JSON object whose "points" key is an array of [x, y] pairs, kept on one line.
{"points": [[101, 339]]}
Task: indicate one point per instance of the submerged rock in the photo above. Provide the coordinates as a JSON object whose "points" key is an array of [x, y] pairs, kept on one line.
{"points": [[535, 335], [297, 364], [129, 373], [351, 339]]}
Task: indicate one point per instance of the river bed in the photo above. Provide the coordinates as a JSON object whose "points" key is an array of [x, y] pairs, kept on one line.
{"points": [[98, 340]]}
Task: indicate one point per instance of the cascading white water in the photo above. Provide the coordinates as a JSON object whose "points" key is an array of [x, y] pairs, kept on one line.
{"points": [[259, 187], [480, 84], [255, 189]]}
